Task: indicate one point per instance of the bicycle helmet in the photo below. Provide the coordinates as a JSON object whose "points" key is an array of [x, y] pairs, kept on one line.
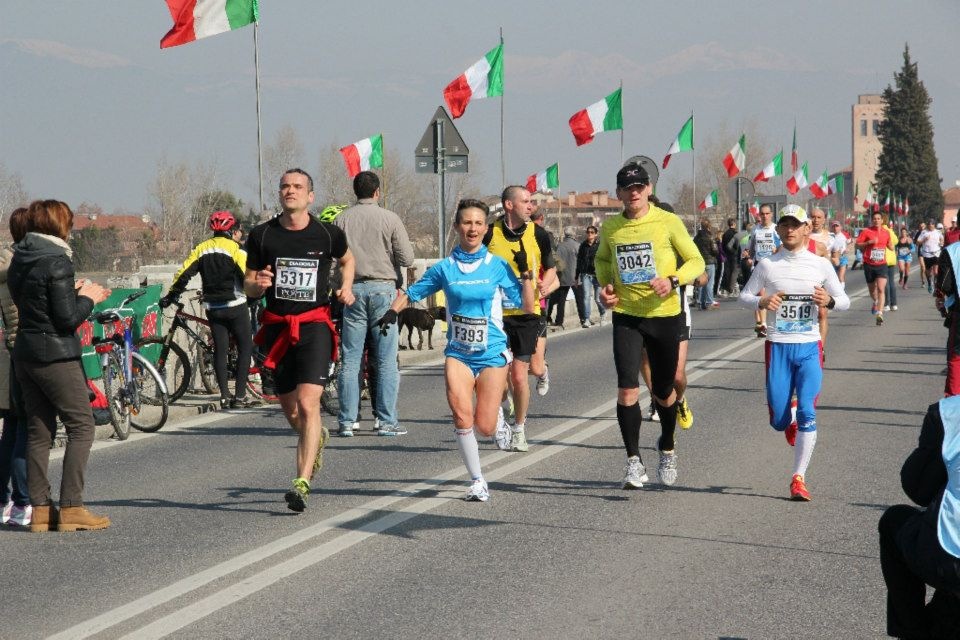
{"points": [[330, 212], [222, 221]]}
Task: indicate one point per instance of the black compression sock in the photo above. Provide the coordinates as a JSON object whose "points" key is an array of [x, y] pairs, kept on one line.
{"points": [[629, 419], [668, 425]]}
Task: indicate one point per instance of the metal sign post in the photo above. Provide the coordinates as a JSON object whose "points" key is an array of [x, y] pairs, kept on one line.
{"points": [[441, 150], [441, 192]]}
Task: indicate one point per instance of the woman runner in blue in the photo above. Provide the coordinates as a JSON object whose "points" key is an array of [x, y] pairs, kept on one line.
{"points": [[475, 283]]}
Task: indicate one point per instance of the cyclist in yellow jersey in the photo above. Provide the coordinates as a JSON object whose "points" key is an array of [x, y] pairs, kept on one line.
{"points": [[526, 332], [637, 269]]}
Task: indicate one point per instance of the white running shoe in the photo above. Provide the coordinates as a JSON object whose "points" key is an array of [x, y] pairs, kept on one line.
{"points": [[478, 492], [7, 510], [667, 471], [652, 411], [894, 307], [502, 436], [634, 474], [543, 382], [518, 438]]}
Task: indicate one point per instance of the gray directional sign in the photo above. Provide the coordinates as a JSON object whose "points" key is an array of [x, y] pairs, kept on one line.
{"points": [[455, 151]]}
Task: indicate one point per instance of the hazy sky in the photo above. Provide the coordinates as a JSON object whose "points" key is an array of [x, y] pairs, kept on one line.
{"points": [[89, 103]]}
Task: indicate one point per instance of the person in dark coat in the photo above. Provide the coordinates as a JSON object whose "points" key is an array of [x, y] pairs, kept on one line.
{"points": [[920, 547], [707, 244], [46, 354]]}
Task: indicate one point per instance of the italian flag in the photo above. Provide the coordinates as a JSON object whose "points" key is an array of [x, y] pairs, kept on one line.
{"points": [[484, 79], [886, 205], [709, 201], [755, 209], [195, 19], [906, 206], [819, 188], [868, 200], [684, 141], [364, 155], [835, 185], [544, 181], [798, 180], [606, 115], [773, 168], [736, 159]]}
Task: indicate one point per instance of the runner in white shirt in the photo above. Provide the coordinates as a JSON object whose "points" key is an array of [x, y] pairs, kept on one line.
{"points": [[930, 242], [801, 282]]}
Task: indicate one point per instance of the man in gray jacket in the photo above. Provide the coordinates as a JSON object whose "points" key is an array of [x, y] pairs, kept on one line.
{"points": [[566, 253], [380, 247]]}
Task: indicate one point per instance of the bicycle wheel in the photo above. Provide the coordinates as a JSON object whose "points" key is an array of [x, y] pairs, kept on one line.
{"points": [[113, 388], [205, 367], [330, 398], [173, 365], [151, 414]]}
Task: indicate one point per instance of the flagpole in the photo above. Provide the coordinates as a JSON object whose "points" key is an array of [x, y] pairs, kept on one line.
{"points": [[383, 170], [559, 204], [621, 121], [503, 166], [693, 161], [256, 66]]}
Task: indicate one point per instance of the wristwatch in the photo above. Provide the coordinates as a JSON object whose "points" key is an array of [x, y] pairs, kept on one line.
{"points": [[526, 275], [674, 282]]}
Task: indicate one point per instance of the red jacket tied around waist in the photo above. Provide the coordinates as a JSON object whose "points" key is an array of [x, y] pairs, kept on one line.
{"points": [[291, 332]]}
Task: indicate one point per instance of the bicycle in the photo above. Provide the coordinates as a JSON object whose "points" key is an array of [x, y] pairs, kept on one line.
{"points": [[136, 393], [176, 366]]}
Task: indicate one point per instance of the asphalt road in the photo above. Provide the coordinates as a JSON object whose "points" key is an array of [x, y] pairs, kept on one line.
{"points": [[202, 545]]}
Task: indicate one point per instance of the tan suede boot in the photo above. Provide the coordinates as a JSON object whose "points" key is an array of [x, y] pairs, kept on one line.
{"points": [[44, 519], [79, 519]]}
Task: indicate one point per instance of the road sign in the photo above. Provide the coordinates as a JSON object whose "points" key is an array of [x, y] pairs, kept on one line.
{"points": [[455, 151]]}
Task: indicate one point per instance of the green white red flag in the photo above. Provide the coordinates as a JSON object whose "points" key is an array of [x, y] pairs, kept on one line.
{"points": [[868, 200], [363, 155], [794, 156], [544, 181], [484, 79], [195, 19], [709, 201], [835, 184], [755, 209], [684, 141], [906, 206], [798, 180], [773, 168], [736, 159], [606, 115], [819, 188], [886, 205]]}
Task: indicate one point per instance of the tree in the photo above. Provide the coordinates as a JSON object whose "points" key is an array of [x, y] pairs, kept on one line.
{"points": [[285, 152], [908, 161], [12, 193], [176, 190], [207, 203], [94, 249]]}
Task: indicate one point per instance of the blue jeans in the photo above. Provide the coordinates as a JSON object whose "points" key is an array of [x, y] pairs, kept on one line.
{"points": [[373, 299], [591, 291], [705, 297]]}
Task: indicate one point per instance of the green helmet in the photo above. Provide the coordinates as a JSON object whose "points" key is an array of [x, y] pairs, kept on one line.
{"points": [[330, 212]]}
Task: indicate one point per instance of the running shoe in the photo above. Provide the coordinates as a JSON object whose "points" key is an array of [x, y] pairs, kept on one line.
{"points": [[21, 516], [318, 461], [886, 307], [634, 474], [603, 320], [652, 411], [297, 497], [518, 439], [224, 404], [543, 382], [245, 403], [585, 324], [502, 436], [798, 489], [376, 424], [7, 510], [894, 307], [667, 469], [478, 492], [684, 414], [790, 433], [879, 319], [346, 430], [391, 430]]}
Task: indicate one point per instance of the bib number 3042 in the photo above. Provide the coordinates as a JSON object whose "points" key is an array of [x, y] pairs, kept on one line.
{"points": [[635, 263]]}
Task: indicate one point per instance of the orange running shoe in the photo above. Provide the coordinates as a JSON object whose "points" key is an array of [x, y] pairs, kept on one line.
{"points": [[798, 489], [791, 434]]}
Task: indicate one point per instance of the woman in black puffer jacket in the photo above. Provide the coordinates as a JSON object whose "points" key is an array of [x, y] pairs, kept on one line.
{"points": [[47, 357]]}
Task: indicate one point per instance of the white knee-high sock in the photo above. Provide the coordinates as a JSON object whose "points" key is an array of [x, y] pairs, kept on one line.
{"points": [[470, 452], [803, 450]]}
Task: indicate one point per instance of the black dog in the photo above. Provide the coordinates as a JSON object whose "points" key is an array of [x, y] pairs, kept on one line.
{"points": [[421, 320]]}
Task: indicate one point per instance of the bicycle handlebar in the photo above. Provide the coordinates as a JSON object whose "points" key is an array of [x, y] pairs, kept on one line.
{"points": [[112, 315]]}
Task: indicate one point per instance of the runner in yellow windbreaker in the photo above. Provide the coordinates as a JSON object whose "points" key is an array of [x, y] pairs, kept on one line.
{"points": [[636, 267]]}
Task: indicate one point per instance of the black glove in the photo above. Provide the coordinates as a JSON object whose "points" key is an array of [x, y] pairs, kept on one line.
{"points": [[166, 301], [520, 258], [389, 318]]}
